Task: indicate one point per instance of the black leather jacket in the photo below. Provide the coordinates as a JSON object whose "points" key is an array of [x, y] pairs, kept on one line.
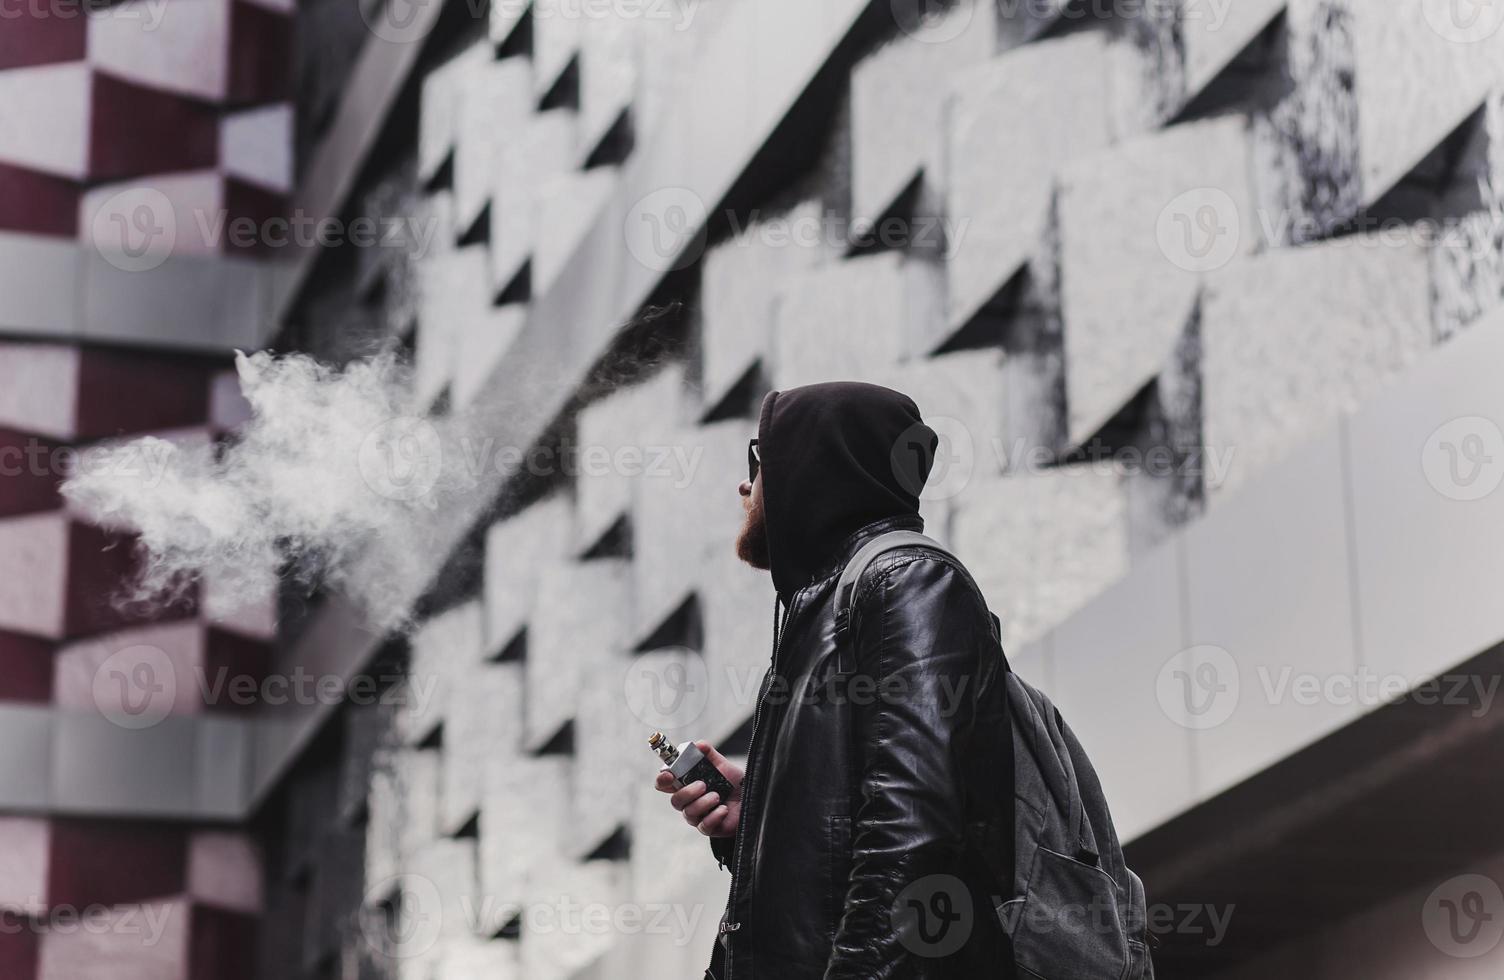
{"points": [[877, 804]]}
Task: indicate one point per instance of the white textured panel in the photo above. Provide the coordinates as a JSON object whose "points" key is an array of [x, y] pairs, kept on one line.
{"points": [[895, 129], [454, 296], [590, 895], [685, 512], [494, 959], [513, 549], [853, 320], [384, 818], [673, 42], [438, 118], [557, 25], [1296, 336], [481, 345], [44, 116], [741, 280], [569, 638], [39, 388], [609, 57], [33, 559], [191, 206], [94, 674], [224, 871], [441, 892], [568, 206], [543, 147], [1041, 544], [1139, 224], [617, 443], [505, 17], [1422, 67], [684, 920], [484, 722], [612, 760], [1013, 123], [445, 651], [736, 603], [494, 109], [524, 823], [24, 861], [185, 51], [256, 146], [126, 942], [403, 808], [1213, 34]]}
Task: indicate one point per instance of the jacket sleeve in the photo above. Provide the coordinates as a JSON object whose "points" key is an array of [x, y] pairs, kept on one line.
{"points": [[723, 848], [918, 637]]}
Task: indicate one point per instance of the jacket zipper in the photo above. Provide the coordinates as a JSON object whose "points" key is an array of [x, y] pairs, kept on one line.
{"points": [[741, 826]]}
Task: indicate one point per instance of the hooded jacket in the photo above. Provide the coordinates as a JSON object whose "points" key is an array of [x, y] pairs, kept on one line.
{"points": [[877, 799]]}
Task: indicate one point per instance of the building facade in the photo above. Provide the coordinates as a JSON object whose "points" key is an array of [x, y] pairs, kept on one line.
{"points": [[1203, 299]]}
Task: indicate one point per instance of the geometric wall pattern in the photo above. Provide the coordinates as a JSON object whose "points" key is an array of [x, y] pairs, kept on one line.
{"points": [[1107, 235], [1193, 228], [120, 124]]}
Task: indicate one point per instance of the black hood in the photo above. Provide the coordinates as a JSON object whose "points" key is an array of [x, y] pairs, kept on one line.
{"points": [[835, 458]]}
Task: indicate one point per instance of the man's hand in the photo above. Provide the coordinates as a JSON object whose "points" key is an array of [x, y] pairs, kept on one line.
{"points": [[713, 816]]}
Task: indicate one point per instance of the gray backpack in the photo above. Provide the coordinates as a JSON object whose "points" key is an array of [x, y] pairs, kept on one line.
{"points": [[1073, 909]]}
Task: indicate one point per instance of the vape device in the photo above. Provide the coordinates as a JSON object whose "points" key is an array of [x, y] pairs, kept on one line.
{"points": [[689, 764]]}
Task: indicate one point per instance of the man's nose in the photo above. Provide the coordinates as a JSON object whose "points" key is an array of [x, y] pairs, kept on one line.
{"points": [[744, 488]]}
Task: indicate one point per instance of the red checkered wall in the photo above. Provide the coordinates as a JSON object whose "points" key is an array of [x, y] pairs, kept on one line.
{"points": [[188, 100]]}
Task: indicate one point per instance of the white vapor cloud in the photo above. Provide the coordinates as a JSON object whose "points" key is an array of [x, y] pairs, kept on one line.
{"points": [[332, 480]]}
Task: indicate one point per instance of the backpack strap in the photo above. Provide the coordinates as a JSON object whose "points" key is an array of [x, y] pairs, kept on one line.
{"points": [[851, 578], [851, 575]]}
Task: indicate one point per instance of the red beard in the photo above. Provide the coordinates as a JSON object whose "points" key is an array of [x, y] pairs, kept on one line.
{"points": [[752, 542]]}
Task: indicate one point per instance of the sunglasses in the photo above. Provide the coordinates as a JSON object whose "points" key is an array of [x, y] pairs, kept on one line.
{"points": [[754, 460]]}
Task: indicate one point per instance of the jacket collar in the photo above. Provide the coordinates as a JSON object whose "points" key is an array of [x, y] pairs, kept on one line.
{"points": [[854, 542]]}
